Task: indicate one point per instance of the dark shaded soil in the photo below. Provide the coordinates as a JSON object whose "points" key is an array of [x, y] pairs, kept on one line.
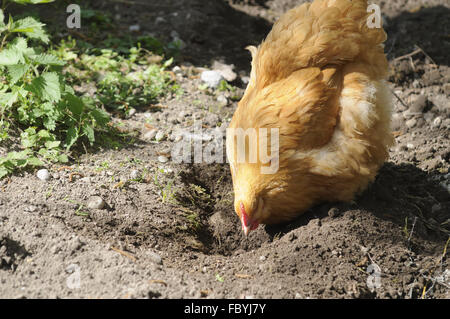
{"points": [[173, 233]]}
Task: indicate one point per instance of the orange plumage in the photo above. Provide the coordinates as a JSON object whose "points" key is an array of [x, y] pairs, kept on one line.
{"points": [[318, 78]]}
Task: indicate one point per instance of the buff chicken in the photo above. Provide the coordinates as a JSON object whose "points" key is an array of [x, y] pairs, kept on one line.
{"points": [[314, 122]]}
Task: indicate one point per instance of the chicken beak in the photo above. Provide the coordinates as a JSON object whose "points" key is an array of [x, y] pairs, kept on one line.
{"points": [[245, 228], [248, 225]]}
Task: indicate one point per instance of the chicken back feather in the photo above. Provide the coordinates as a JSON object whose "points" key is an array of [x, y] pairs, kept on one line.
{"points": [[318, 79]]}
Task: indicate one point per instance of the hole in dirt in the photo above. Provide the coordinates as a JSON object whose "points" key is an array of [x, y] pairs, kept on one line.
{"points": [[11, 254], [208, 190]]}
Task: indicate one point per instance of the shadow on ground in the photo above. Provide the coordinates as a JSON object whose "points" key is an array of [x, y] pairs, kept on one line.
{"points": [[402, 194]]}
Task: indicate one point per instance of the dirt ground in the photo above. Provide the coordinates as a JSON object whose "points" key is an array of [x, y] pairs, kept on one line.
{"points": [[168, 230]]}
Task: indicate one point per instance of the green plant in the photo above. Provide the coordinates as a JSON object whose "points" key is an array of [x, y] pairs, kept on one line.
{"points": [[124, 82], [166, 192], [37, 105]]}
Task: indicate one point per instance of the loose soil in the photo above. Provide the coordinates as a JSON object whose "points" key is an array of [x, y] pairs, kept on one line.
{"points": [[171, 232]]}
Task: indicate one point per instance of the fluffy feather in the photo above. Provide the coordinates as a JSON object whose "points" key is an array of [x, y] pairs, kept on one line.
{"points": [[319, 79]]}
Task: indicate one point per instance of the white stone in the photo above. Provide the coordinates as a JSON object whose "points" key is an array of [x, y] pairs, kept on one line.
{"points": [[163, 159], [134, 28], [149, 135], [43, 174], [222, 100], [96, 202], [437, 121], [160, 136], [212, 78]]}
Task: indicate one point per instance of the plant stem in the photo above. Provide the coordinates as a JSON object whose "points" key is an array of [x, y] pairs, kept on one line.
{"points": [[4, 41]]}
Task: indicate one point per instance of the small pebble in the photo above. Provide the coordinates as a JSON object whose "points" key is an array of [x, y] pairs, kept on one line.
{"points": [[437, 121], [397, 121], [160, 136], [419, 104], [177, 70], [134, 28], [154, 257], [85, 180], [43, 174], [411, 123], [162, 159], [159, 20], [131, 112], [410, 146], [135, 174], [31, 209], [96, 202], [262, 258], [178, 138], [149, 135], [225, 70], [212, 78], [222, 100], [245, 79]]}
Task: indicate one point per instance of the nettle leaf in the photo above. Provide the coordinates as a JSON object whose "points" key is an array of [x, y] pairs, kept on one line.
{"points": [[50, 123], [16, 72], [100, 116], [31, 28], [71, 137], [34, 161], [44, 134], [20, 44], [29, 137], [62, 158], [47, 59], [2, 21], [75, 104], [46, 86], [89, 132], [15, 156], [14, 52], [3, 170], [8, 99], [52, 144], [9, 56]]}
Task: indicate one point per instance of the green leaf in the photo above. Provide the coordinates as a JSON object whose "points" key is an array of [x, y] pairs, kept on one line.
{"points": [[23, 155], [100, 116], [89, 132], [8, 99], [3, 171], [50, 123], [34, 161], [52, 144], [16, 72], [14, 52], [29, 137], [47, 59], [31, 28], [63, 158], [44, 134], [75, 104], [46, 87], [2, 20], [9, 56], [20, 44], [71, 137], [168, 63]]}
